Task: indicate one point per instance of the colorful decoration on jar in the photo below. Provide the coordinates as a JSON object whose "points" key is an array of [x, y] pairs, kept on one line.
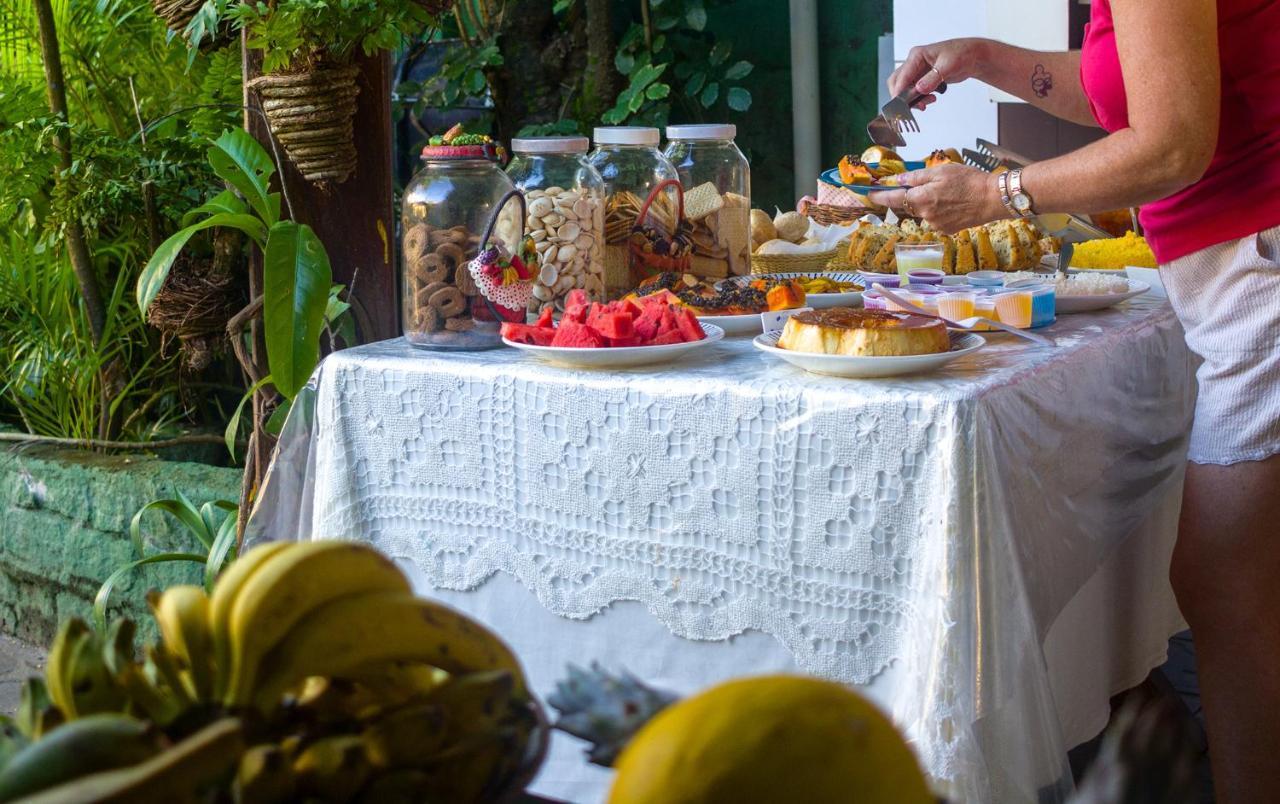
{"points": [[505, 280], [457, 142]]}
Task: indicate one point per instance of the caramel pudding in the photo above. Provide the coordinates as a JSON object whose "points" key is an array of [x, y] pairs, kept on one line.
{"points": [[863, 333]]}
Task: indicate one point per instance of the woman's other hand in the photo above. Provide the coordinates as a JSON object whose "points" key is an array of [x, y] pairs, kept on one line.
{"points": [[927, 66], [949, 197]]}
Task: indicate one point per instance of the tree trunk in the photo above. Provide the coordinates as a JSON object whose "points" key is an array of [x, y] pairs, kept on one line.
{"points": [[530, 85], [77, 249], [599, 78]]}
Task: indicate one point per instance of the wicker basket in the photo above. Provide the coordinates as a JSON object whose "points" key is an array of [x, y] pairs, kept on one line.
{"points": [[791, 263], [311, 114], [832, 215]]}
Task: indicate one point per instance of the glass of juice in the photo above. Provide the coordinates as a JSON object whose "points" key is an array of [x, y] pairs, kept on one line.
{"points": [[916, 256]]}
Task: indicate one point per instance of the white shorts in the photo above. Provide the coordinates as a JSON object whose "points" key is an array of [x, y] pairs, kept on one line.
{"points": [[1228, 299]]}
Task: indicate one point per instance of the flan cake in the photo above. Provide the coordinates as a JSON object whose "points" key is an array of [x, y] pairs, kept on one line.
{"points": [[863, 333]]}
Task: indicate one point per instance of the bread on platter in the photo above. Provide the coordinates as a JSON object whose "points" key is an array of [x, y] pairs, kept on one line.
{"points": [[966, 263], [986, 255]]}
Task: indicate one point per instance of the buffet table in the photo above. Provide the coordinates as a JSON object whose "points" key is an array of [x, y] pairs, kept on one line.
{"points": [[983, 549]]}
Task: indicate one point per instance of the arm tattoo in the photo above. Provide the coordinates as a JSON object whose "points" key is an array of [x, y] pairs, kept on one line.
{"points": [[1041, 81]]}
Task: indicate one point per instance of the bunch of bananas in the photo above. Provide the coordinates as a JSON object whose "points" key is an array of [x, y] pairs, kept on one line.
{"points": [[342, 686]]}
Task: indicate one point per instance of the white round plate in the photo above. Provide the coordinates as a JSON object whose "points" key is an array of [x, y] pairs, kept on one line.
{"points": [[748, 324], [616, 357], [1088, 304], [867, 367], [818, 301]]}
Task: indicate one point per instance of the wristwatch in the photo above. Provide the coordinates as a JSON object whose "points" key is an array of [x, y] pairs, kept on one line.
{"points": [[1012, 195]]}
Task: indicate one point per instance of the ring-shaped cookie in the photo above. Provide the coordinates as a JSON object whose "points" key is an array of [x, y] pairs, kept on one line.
{"points": [[431, 268], [423, 297], [452, 253], [416, 242], [449, 301]]}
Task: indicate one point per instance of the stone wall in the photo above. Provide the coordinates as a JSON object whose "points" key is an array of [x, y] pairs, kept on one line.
{"points": [[64, 527]]}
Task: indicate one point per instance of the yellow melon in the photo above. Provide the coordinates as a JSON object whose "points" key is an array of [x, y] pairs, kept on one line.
{"points": [[769, 739]]}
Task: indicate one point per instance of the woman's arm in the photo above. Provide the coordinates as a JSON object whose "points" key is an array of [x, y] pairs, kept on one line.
{"points": [[1049, 81], [1169, 58]]}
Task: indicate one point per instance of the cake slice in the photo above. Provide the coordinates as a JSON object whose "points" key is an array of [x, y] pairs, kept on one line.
{"points": [[1029, 237], [948, 254], [983, 250], [865, 247], [965, 261], [885, 261], [1009, 252]]}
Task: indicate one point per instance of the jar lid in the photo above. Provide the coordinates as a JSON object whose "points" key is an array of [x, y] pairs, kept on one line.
{"points": [[703, 131], [626, 135], [487, 150], [550, 145]]}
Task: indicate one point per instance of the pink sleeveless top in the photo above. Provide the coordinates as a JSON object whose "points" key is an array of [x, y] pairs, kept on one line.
{"points": [[1240, 193]]}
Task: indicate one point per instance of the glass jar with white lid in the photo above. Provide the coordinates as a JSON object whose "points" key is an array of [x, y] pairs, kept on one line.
{"points": [[717, 183], [631, 166], [564, 196]]}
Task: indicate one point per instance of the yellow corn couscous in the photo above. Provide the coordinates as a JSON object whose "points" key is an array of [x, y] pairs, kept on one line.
{"points": [[1115, 253]]}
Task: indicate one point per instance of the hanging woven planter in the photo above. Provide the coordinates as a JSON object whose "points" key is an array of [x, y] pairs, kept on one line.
{"points": [[310, 113], [193, 308]]}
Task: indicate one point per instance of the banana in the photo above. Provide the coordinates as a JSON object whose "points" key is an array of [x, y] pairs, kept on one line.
{"points": [[182, 612], [263, 776], [84, 746], [144, 698], [88, 682], [476, 769], [406, 736], [360, 631], [225, 591], [175, 776], [287, 589], [390, 685], [36, 712], [333, 769], [57, 670], [12, 740], [165, 671]]}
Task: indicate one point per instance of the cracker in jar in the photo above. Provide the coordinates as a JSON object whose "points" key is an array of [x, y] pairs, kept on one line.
{"points": [[449, 301], [423, 297], [461, 323], [465, 282], [701, 201]]}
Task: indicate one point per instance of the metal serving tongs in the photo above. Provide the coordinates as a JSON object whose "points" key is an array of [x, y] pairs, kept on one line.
{"points": [[970, 323], [886, 128]]}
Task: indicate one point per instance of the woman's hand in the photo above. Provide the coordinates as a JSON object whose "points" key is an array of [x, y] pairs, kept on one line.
{"points": [[927, 66], [949, 197]]}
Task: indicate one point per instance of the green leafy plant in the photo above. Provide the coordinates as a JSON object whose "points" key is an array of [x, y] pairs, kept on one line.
{"points": [[701, 79], [299, 33], [297, 278], [213, 525]]}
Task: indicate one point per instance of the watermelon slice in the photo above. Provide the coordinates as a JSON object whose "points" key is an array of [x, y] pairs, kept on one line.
{"points": [[614, 325], [669, 323], [669, 337], [577, 336], [524, 333], [632, 341], [689, 326], [646, 326], [544, 318]]}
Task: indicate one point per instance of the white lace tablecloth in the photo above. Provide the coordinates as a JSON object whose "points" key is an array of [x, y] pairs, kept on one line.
{"points": [[936, 525]]}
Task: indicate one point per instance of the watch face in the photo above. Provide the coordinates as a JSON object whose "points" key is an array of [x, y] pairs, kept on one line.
{"points": [[1022, 202]]}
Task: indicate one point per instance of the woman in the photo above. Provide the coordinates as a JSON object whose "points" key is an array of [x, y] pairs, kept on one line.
{"points": [[1189, 93]]}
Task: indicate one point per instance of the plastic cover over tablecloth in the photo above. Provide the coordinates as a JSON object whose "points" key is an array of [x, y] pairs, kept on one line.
{"points": [[936, 523]]}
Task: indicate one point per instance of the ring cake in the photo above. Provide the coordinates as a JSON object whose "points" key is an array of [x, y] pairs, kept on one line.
{"points": [[863, 333]]}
